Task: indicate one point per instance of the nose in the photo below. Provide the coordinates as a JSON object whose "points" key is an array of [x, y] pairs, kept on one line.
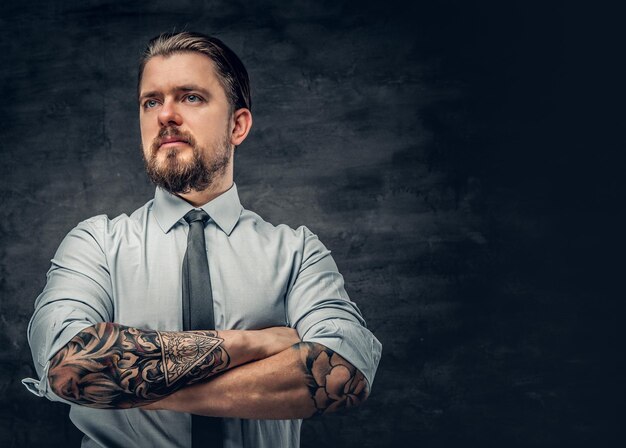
{"points": [[169, 114]]}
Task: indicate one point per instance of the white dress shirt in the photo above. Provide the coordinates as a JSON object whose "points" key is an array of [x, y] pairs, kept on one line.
{"points": [[128, 270]]}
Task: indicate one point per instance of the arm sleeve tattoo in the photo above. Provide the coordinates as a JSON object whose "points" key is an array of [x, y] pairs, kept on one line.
{"points": [[333, 382], [113, 366]]}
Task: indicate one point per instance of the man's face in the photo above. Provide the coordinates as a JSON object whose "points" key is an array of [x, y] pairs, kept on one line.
{"points": [[185, 120]]}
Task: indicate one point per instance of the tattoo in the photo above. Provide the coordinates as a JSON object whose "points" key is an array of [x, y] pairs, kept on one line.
{"points": [[114, 366], [334, 383], [184, 351]]}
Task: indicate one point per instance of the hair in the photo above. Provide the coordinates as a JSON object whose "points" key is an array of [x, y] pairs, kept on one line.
{"points": [[230, 70]]}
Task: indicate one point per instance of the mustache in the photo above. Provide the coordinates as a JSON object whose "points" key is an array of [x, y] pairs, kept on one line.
{"points": [[172, 131]]}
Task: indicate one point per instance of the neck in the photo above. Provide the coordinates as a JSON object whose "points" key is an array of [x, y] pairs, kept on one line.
{"points": [[199, 198]]}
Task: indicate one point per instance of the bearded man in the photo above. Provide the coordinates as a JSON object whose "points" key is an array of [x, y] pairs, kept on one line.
{"points": [[193, 322]]}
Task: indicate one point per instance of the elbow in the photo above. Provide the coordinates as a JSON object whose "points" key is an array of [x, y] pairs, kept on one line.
{"points": [[64, 380], [340, 394], [76, 385], [335, 384], [77, 376]]}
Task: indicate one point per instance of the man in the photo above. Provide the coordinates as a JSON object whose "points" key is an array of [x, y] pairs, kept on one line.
{"points": [[194, 305]]}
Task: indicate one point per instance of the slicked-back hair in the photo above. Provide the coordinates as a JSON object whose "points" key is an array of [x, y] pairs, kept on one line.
{"points": [[230, 70]]}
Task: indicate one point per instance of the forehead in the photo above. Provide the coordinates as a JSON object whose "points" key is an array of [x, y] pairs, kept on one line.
{"points": [[163, 73]]}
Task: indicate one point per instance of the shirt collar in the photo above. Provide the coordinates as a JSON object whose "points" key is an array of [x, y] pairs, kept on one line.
{"points": [[224, 210]]}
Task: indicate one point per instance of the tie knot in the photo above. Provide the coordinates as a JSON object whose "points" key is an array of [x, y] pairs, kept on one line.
{"points": [[196, 215]]}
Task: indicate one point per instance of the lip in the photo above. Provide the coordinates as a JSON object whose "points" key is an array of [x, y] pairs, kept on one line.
{"points": [[171, 141]]}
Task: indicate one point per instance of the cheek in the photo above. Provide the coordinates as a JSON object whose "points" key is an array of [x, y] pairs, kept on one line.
{"points": [[146, 146], [147, 137], [144, 132], [147, 125], [147, 154]]}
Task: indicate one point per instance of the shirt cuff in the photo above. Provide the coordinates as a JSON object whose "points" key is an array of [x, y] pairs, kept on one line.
{"points": [[351, 341]]}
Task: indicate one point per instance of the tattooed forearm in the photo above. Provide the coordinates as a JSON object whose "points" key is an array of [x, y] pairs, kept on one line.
{"points": [[333, 382], [113, 366]]}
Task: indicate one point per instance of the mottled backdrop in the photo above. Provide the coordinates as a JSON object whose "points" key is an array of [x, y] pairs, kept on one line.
{"points": [[455, 156]]}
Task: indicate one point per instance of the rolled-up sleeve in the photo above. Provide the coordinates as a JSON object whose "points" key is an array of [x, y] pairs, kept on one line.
{"points": [[321, 311], [77, 295]]}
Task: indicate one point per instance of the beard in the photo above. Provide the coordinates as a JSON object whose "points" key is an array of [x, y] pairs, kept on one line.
{"points": [[177, 176]]}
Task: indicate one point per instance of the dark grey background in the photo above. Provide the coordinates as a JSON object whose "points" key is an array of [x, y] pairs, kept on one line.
{"points": [[461, 160]]}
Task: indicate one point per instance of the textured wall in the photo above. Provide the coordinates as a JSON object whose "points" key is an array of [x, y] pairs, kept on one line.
{"points": [[437, 150]]}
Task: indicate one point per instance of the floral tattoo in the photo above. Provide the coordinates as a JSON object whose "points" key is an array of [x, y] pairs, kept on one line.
{"points": [[334, 383], [114, 366]]}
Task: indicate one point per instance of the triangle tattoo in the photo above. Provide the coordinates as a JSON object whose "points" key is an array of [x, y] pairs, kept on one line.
{"points": [[181, 352]]}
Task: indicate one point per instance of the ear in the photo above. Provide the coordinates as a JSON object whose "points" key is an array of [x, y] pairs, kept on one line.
{"points": [[243, 122]]}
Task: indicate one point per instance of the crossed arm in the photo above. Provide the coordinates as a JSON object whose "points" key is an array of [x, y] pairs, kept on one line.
{"points": [[263, 373]]}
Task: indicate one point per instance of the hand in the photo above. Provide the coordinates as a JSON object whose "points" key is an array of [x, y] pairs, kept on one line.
{"points": [[273, 340]]}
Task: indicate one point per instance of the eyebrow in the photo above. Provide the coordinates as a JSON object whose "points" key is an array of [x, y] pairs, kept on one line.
{"points": [[184, 88], [148, 95]]}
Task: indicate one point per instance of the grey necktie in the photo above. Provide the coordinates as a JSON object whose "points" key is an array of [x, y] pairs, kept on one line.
{"points": [[198, 314]]}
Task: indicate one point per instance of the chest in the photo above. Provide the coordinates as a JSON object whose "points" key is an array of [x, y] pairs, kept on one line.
{"points": [[249, 281]]}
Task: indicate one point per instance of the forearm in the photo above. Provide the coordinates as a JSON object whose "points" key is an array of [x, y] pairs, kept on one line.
{"points": [[114, 366], [305, 380]]}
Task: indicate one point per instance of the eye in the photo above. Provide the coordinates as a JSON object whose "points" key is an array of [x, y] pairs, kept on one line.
{"points": [[193, 98], [149, 104]]}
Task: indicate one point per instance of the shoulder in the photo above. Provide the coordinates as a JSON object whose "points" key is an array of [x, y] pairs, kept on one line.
{"points": [[252, 222], [101, 228], [298, 243]]}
